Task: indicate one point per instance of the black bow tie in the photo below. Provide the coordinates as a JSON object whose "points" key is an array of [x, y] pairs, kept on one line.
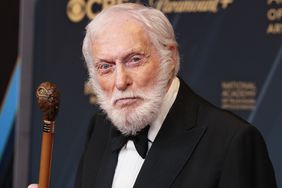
{"points": [[140, 141]]}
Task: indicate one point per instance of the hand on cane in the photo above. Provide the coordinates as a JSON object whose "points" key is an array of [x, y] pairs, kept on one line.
{"points": [[33, 186]]}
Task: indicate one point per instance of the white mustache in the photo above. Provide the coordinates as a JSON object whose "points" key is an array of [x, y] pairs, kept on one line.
{"points": [[126, 95]]}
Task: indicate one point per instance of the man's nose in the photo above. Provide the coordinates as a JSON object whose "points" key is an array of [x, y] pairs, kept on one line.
{"points": [[122, 78]]}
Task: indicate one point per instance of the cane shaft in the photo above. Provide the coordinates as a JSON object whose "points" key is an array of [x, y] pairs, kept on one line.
{"points": [[46, 159], [48, 99]]}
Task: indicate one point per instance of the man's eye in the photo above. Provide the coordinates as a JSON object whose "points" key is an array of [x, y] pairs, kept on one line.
{"points": [[104, 68], [135, 59]]}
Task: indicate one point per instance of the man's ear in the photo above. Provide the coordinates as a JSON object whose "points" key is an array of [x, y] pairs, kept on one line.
{"points": [[171, 72], [173, 50]]}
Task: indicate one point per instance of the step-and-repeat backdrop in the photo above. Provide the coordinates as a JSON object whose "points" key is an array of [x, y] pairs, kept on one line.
{"points": [[231, 54], [9, 88]]}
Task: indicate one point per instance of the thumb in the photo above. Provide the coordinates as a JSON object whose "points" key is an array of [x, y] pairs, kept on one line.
{"points": [[33, 186]]}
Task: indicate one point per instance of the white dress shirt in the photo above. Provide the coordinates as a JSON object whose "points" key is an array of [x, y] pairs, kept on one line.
{"points": [[129, 161]]}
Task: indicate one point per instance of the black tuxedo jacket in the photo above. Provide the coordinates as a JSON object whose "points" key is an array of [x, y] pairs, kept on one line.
{"points": [[198, 146]]}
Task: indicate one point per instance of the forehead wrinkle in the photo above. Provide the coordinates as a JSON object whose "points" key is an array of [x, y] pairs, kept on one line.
{"points": [[111, 46], [122, 55]]}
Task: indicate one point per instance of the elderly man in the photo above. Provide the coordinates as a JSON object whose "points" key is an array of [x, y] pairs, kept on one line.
{"points": [[153, 131]]}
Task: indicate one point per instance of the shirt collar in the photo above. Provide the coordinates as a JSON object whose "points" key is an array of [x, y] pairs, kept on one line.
{"points": [[168, 100]]}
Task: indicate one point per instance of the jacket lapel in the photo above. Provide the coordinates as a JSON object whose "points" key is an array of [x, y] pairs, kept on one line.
{"points": [[107, 169], [174, 143], [99, 160]]}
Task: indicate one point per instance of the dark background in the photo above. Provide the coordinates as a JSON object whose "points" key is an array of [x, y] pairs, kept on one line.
{"points": [[229, 45], [9, 32]]}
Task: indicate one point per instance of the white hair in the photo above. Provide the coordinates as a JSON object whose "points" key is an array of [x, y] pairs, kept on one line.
{"points": [[161, 35], [157, 25]]}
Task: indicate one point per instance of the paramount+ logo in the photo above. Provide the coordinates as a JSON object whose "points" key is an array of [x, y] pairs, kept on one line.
{"points": [[77, 10]]}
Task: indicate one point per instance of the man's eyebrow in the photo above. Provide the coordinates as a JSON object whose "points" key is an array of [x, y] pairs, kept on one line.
{"points": [[103, 60], [131, 53], [123, 57]]}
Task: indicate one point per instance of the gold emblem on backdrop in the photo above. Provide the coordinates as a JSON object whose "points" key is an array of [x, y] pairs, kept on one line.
{"points": [[77, 10], [88, 90]]}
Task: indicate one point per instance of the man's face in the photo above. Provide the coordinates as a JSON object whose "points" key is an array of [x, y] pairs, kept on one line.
{"points": [[125, 60], [127, 75]]}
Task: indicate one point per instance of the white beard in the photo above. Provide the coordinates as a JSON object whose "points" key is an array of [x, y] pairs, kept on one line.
{"points": [[133, 119]]}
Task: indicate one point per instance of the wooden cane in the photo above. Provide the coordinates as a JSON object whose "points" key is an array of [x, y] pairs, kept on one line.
{"points": [[48, 100]]}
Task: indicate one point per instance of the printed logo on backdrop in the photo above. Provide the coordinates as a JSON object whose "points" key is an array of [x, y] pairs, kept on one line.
{"points": [[274, 17], [77, 10], [190, 6], [238, 95]]}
